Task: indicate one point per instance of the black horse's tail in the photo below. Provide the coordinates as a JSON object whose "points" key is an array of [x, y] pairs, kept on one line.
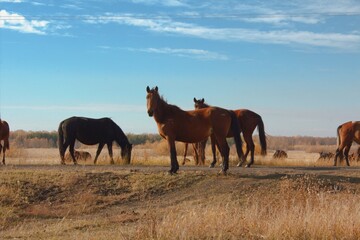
{"points": [[262, 136], [236, 133], [61, 141]]}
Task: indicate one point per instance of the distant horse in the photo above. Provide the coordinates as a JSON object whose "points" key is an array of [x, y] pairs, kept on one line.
{"points": [[325, 155], [92, 131], [346, 134], [279, 154], [4, 136], [79, 155], [248, 121], [199, 152], [194, 126]]}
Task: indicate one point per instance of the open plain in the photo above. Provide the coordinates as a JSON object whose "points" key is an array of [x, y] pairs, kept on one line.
{"points": [[311, 200]]}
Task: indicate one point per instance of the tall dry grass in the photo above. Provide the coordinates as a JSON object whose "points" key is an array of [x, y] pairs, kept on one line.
{"points": [[302, 209]]}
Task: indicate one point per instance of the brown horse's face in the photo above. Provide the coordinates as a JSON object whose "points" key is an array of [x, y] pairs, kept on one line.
{"points": [[198, 104], [152, 98]]}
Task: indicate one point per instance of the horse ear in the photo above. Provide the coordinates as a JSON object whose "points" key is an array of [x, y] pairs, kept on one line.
{"points": [[195, 100], [156, 88], [202, 100], [147, 89]]}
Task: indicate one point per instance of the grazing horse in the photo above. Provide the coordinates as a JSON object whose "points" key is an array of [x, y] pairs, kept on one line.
{"points": [[346, 134], [175, 124], [4, 136], [79, 155], [248, 121], [92, 131], [279, 154], [326, 155]]}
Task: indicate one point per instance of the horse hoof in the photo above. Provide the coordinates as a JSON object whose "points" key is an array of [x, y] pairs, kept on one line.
{"points": [[211, 166], [239, 165], [247, 165], [222, 172]]}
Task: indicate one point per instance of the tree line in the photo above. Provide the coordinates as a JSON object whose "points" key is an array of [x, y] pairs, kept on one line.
{"points": [[48, 139]]}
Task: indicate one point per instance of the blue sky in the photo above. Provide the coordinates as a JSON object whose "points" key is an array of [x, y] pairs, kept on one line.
{"points": [[296, 63]]}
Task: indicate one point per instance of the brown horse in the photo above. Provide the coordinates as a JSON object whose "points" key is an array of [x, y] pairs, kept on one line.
{"points": [[346, 134], [175, 124], [4, 136], [199, 152], [248, 121]]}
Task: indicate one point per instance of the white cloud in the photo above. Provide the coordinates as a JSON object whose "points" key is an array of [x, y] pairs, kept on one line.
{"points": [[12, 1], [168, 3], [19, 23], [166, 25], [190, 53]]}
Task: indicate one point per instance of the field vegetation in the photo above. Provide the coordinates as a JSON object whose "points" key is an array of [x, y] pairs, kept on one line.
{"points": [[294, 198]]}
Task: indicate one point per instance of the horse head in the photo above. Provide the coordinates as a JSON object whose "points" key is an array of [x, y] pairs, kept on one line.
{"points": [[199, 103], [126, 152], [152, 99]]}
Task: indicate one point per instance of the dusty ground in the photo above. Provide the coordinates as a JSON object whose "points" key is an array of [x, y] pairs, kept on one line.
{"points": [[116, 202]]}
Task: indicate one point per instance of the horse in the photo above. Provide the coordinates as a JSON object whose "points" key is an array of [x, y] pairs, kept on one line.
{"points": [[4, 136], [347, 133], [90, 132], [325, 155], [175, 124], [199, 152], [248, 121], [280, 154], [79, 155]]}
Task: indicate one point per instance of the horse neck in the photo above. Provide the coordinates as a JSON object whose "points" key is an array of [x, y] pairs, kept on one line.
{"points": [[121, 138], [164, 111]]}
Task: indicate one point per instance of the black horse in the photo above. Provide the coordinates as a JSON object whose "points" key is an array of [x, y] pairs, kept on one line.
{"points": [[92, 131]]}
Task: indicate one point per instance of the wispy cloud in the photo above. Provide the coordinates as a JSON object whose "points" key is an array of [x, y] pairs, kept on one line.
{"points": [[180, 52], [167, 25], [12, 1], [19, 23], [169, 3]]}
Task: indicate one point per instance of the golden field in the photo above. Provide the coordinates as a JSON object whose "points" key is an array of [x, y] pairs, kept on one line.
{"points": [[295, 198]]}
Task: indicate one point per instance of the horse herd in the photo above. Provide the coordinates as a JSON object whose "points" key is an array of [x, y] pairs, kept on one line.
{"points": [[174, 124]]}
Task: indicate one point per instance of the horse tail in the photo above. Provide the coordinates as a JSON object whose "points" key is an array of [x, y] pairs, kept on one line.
{"points": [[236, 133], [338, 140], [262, 136], [6, 144], [61, 140]]}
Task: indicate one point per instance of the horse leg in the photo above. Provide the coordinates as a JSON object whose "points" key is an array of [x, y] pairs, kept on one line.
{"points": [[62, 152], [224, 151], [196, 153], [213, 149], [71, 149], [4, 150], [250, 146], [337, 154], [346, 153], [173, 158], [98, 151], [202, 146], [109, 145], [3, 153], [185, 152]]}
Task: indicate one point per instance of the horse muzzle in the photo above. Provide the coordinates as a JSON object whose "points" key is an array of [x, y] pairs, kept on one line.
{"points": [[151, 113]]}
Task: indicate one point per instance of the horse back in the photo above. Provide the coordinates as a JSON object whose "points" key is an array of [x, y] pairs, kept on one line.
{"points": [[248, 120], [89, 131]]}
